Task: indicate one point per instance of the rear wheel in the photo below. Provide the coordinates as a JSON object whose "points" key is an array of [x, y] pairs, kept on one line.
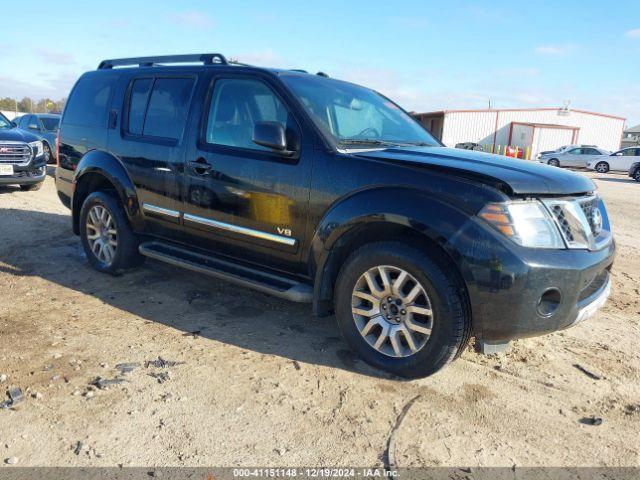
{"points": [[400, 311], [107, 238], [602, 167], [636, 175], [554, 162]]}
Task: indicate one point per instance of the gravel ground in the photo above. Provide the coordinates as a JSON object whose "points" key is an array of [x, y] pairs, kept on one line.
{"points": [[265, 383]]}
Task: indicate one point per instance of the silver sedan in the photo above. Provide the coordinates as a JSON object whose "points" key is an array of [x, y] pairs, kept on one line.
{"points": [[576, 156]]}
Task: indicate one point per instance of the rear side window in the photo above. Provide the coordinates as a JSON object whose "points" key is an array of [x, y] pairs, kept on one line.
{"points": [[89, 101], [159, 108]]}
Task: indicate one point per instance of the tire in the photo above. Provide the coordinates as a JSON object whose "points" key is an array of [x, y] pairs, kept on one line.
{"points": [[554, 162], [47, 154], [31, 188], [602, 167], [450, 322], [636, 175], [124, 254]]}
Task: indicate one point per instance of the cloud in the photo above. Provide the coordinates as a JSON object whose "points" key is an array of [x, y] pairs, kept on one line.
{"points": [[553, 50], [57, 57], [635, 33], [194, 19]]}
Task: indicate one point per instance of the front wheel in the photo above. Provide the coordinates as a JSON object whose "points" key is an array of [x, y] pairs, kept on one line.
{"points": [[48, 157], [636, 175], [602, 167], [400, 311], [107, 238], [554, 162]]}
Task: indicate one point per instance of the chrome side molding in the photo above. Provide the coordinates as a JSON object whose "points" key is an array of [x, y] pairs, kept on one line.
{"points": [[272, 237], [147, 207]]}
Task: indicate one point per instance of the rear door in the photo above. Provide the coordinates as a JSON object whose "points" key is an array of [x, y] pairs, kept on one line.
{"points": [[243, 199], [588, 154], [150, 142]]}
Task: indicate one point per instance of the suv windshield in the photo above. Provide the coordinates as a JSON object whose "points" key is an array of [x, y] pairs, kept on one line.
{"points": [[50, 124], [4, 122], [354, 116]]}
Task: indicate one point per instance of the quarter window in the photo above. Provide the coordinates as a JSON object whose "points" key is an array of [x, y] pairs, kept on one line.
{"points": [[236, 105], [89, 101]]}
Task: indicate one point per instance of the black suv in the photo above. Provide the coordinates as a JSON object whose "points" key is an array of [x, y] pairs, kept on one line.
{"points": [[321, 191], [22, 159]]}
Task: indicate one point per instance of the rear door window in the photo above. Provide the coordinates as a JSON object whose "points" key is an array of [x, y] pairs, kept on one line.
{"points": [[89, 101], [138, 99], [158, 107]]}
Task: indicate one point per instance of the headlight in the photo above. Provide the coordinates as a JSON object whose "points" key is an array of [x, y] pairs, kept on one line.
{"points": [[527, 223], [37, 148]]}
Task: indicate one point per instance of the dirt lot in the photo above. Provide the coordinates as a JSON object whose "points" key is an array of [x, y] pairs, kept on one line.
{"points": [[265, 383]]}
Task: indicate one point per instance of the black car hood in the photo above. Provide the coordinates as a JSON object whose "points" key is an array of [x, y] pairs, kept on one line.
{"points": [[16, 135], [520, 176]]}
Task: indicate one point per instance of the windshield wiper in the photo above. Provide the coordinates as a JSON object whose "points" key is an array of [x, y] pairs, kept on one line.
{"points": [[370, 141], [383, 143]]}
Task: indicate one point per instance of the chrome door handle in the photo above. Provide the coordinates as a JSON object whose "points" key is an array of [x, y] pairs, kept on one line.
{"points": [[200, 166]]}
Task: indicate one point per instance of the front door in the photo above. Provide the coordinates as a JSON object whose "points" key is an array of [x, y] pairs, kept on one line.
{"points": [[243, 199]]}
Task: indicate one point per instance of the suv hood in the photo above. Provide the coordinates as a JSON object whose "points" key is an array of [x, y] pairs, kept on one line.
{"points": [[16, 135], [521, 176]]}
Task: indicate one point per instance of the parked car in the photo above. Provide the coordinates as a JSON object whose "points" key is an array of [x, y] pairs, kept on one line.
{"points": [[572, 156], [634, 171], [564, 147], [21, 157], [321, 191], [45, 127], [470, 146], [619, 161]]}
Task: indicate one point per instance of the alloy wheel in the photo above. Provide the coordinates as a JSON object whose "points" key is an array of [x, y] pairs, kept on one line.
{"points": [[392, 311], [602, 168], [102, 235]]}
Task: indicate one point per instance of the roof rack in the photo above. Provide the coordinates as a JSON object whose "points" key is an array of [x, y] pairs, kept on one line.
{"points": [[205, 58]]}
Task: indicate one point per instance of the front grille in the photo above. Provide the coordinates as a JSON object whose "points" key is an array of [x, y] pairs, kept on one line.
{"points": [[581, 221], [588, 207], [15, 153], [561, 219]]}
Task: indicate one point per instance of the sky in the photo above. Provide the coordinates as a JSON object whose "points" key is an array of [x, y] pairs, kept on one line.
{"points": [[425, 55]]}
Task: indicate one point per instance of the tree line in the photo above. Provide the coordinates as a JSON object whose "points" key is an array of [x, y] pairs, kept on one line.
{"points": [[30, 105]]}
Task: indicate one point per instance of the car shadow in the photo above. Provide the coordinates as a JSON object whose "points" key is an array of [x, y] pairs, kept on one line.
{"points": [[195, 304], [616, 180]]}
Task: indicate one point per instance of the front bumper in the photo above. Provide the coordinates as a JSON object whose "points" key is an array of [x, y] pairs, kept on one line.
{"points": [[28, 175], [506, 284]]}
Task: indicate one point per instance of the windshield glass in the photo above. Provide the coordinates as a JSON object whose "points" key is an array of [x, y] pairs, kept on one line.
{"points": [[4, 122], [356, 117], [50, 124]]}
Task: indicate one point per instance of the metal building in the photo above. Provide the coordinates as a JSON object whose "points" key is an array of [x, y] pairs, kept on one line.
{"points": [[533, 130]]}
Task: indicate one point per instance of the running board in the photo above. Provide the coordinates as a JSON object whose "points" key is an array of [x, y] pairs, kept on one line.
{"points": [[266, 282]]}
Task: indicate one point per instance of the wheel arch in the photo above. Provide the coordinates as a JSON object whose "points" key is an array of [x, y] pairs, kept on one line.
{"points": [[353, 223], [100, 171]]}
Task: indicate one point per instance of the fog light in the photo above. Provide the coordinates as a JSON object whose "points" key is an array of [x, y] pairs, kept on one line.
{"points": [[549, 302]]}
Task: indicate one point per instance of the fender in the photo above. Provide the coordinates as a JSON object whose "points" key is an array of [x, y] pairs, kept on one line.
{"points": [[424, 213], [112, 170]]}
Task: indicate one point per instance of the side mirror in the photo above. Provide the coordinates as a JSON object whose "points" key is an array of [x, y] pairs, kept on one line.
{"points": [[33, 126], [271, 135], [14, 124], [619, 154]]}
